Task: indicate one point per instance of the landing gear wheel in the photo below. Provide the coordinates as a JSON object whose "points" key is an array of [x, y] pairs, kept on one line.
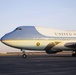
{"points": [[24, 56], [74, 55]]}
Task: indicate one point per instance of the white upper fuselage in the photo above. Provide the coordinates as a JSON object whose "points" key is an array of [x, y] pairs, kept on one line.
{"points": [[55, 32]]}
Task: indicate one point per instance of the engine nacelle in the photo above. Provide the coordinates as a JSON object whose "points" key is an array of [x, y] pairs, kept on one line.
{"points": [[52, 51]]}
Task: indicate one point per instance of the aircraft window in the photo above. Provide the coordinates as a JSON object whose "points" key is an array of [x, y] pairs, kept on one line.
{"points": [[18, 29]]}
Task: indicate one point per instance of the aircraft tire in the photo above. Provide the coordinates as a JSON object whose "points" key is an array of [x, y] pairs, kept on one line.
{"points": [[74, 55], [24, 56]]}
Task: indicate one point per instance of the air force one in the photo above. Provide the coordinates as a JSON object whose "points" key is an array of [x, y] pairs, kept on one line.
{"points": [[41, 38]]}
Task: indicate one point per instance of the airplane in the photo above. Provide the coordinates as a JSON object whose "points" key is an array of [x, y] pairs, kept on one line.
{"points": [[41, 39]]}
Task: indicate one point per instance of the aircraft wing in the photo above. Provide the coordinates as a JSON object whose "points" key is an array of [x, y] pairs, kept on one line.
{"points": [[70, 44]]}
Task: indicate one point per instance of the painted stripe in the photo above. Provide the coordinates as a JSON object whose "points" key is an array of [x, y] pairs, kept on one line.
{"points": [[27, 44]]}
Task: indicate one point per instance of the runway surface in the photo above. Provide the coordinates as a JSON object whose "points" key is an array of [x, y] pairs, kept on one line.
{"points": [[38, 65]]}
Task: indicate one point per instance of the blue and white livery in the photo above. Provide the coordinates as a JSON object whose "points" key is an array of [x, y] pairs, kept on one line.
{"points": [[41, 38]]}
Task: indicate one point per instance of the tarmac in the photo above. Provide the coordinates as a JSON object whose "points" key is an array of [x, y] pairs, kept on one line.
{"points": [[56, 64]]}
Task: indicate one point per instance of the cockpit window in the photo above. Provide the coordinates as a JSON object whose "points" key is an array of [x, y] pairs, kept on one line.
{"points": [[18, 29]]}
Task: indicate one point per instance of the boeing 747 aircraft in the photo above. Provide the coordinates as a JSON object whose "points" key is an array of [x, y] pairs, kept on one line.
{"points": [[41, 38]]}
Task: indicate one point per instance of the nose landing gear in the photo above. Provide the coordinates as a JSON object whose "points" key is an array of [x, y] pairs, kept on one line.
{"points": [[24, 55]]}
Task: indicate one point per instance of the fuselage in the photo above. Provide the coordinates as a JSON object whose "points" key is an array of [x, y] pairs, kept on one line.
{"points": [[39, 38]]}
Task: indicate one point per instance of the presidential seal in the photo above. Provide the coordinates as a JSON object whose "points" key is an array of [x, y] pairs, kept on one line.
{"points": [[37, 44]]}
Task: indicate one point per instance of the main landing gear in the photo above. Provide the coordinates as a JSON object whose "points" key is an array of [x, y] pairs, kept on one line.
{"points": [[74, 54], [24, 55]]}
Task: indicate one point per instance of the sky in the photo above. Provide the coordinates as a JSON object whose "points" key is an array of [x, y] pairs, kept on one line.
{"points": [[60, 14]]}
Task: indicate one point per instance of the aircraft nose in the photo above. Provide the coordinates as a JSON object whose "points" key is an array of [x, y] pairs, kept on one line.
{"points": [[2, 39]]}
